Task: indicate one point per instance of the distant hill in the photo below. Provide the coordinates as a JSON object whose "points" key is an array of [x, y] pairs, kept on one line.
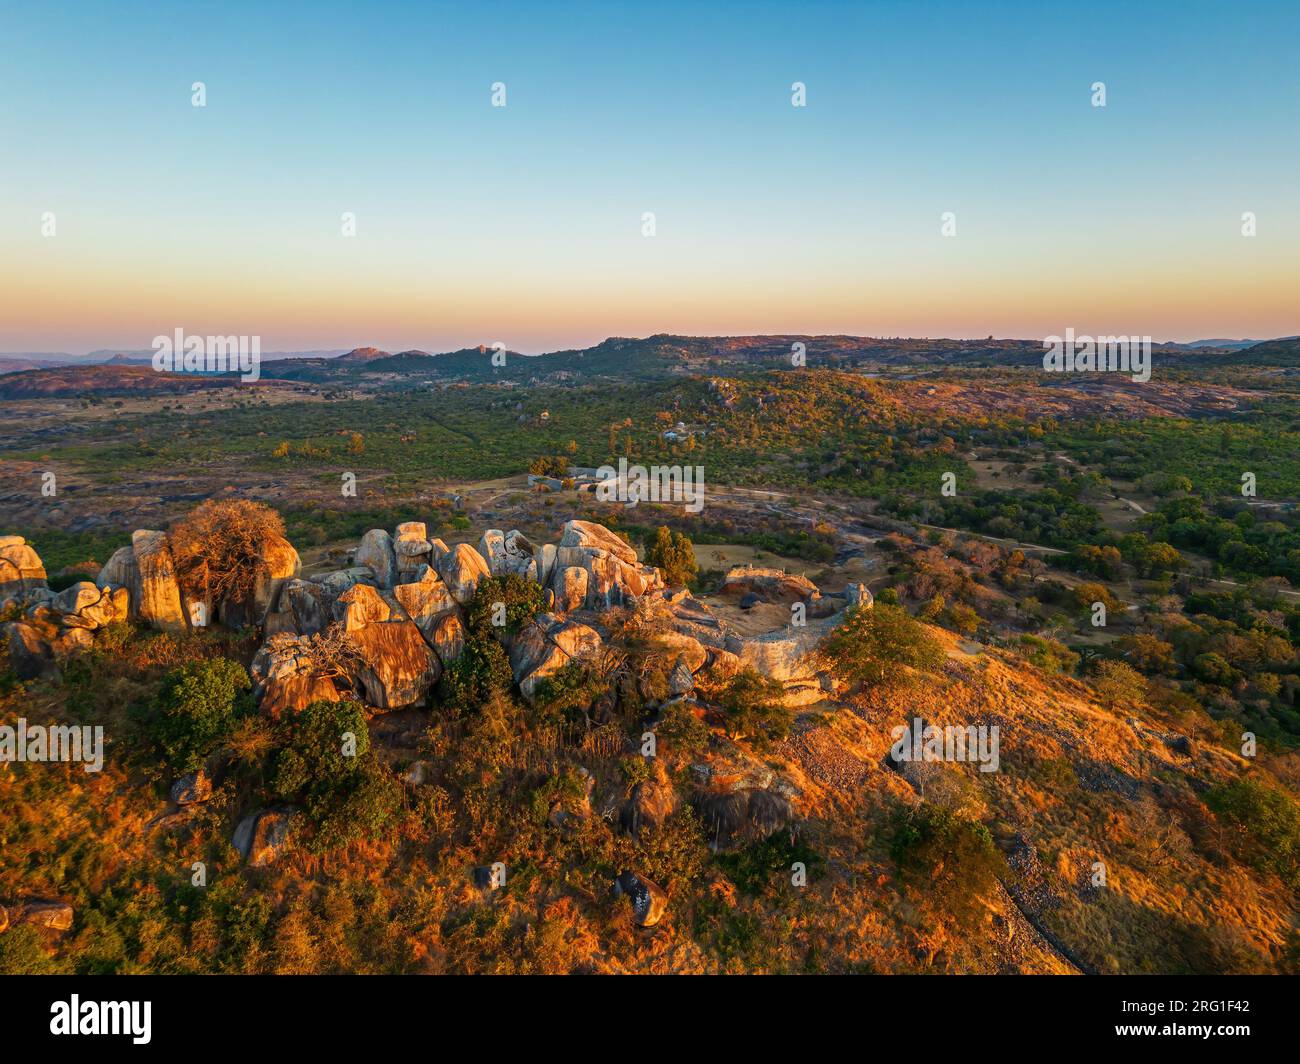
{"points": [[19, 363], [1285, 352], [364, 354], [616, 358], [105, 380]]}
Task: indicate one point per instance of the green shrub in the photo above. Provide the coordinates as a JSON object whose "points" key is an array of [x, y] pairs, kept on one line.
{"points": [[482, 669], [197, 708], [674, 554], [1048, 654], [335, 779], [871, 645], [682, 730], [1266, 823], [753, 706], [567, 692], [1117, 683], [768, 864], [946, 859], [521, 598]]}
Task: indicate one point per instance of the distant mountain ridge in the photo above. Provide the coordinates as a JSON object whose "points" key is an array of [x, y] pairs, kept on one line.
{"points": [[649, 358]]}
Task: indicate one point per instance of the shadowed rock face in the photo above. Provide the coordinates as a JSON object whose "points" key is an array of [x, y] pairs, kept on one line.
{"points": [[119, 569], [30, 654], [649, 901], [262, 836], [447, 637], [546, 645]]}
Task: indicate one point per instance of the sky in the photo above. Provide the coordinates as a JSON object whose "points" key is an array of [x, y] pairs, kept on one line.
{"points": [[525, 224]]}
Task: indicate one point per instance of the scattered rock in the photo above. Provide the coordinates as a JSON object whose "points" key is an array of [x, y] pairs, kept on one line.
{"points": [[680, 680], [263, 836], [649, 902], [484, 878], [52, 915], [191, 789]]}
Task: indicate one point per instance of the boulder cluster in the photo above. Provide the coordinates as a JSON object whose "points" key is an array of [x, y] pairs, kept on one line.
{"points": [[384, 628], [401, 605]]}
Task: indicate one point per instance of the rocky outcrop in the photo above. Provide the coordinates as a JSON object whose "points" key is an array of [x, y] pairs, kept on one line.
{"points": [[492, 549], [736, 817], [286, 677], [545, 556], [857, 595], [446, 635], [359, 606], [278, 563], [53, 626], [512, 552], [652, 801], [769, 584], [411, 548], [570, 588], [30, 654], [614, 576], [308, 604], [425, 600], [84, 605], [311, 603], [21, 568], [51, 915], [191, 789], [119, 570]]}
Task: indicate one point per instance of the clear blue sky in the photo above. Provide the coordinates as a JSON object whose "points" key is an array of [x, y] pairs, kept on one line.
{"points": [[524, 223]]}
